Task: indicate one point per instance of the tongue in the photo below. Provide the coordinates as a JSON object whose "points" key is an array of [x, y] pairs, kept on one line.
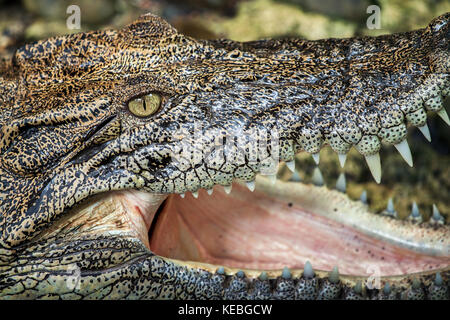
{"points": [[253, 230]]}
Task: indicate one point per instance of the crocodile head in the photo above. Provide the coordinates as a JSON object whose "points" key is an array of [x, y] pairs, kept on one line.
{"points": [[103, 133]]}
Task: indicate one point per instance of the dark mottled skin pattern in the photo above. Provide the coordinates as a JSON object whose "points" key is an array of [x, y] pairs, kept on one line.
{"points": [[66, 134]]}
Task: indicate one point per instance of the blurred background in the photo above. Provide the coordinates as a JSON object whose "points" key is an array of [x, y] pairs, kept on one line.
{"points": [[243, 20]]}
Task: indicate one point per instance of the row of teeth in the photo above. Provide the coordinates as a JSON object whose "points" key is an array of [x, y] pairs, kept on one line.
{"points": [[333, 277], [341, 185], [415, 214], [430, 97]]}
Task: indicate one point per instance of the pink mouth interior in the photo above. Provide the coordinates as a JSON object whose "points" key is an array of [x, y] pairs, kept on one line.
{"points": [[252, 230]]}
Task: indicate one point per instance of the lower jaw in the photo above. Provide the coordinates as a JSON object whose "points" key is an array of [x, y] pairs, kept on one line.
{"points": [[285, 225]]}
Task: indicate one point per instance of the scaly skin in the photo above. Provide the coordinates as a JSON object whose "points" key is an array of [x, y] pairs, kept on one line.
{"points": [[67, 135]]}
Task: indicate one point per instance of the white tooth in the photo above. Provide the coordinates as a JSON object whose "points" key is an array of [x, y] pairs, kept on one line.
{"points": [[286, 274], [316, 157], [374, 164], [182, 195], [443, 114], [195, 194], [342, 157], [438, 280], [227, 189], [308, 271], [317, 177], [405, 152], [291, 165], [436, 215], [341, 183], [295, 177], [333, 276], [390, 207], [363, 197], [251, 185], [272, 178], [426, 132], [263, 276], [210, 191], [415, 214], [387, 288], [415, 210]]}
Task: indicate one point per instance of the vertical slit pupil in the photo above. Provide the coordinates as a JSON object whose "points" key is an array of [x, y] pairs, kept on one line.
{"points": [[144, 101]]}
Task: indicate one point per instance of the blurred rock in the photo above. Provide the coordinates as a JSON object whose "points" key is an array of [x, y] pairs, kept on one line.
{"points": [[259, 19], [346, 9], [226, 7], [41, 29], [13, 23]]}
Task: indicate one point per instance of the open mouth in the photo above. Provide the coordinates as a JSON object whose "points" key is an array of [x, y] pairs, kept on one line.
{"points": [[284, 224]]}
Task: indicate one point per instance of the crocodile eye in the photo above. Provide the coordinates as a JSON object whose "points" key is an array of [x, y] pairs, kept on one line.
{"points": [[146, 105]]}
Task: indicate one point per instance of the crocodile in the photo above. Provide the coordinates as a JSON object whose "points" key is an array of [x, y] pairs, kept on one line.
{"points": [[140, 163]]}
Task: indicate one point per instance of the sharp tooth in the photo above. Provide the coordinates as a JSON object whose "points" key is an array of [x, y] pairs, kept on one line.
{"points": [[436, 215], [415, 214], [195, 194], [295, 177], [387, 288], [341, 183], [363, 197], [415, 210], [240, 274], [263, 276], [272, 178], [444, 116], [390, 208], [342, 157], [373, 161], [286, 274], [317, 177], [251, 185], [426, 132], [182, 195], [405, 152], [316, 157], [227, 189], [210, 191], [438, 280], [291, 165], [308, 271], [334, 275]]}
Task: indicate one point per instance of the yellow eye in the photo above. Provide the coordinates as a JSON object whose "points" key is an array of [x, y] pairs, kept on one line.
{"points": [[146, 105]]}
